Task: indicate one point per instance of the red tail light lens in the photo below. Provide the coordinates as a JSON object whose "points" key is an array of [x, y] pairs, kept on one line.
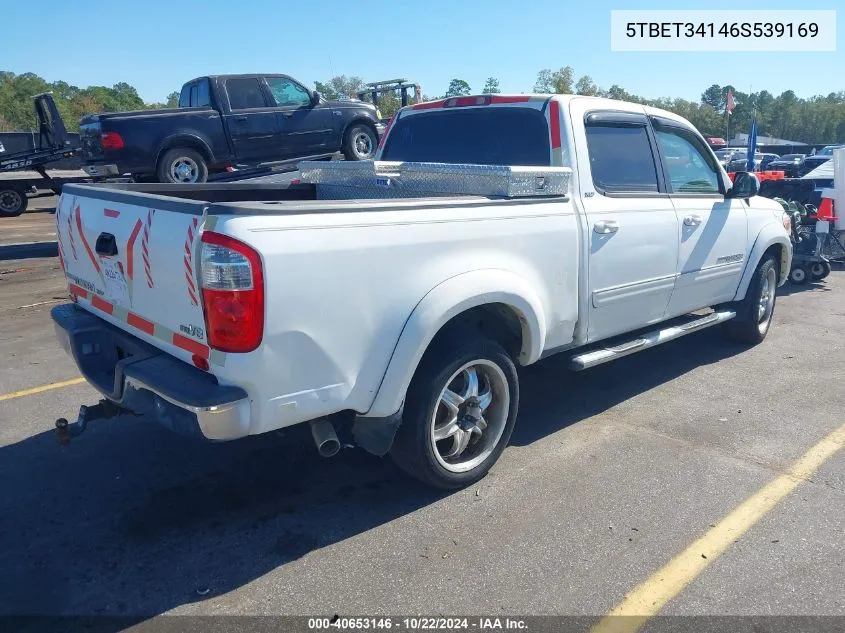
{"points": [[232, 282], [112, 140]]}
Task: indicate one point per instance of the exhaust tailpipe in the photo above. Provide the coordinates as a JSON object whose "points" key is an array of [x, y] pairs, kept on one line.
{"points": [[325, 437]]}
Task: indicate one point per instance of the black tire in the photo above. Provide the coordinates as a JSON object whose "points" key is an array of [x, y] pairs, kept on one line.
{"points": [[820, 270], [799, 276], [13, 201], [360, 142], [185, 161], [414, 449], [749, 325]]}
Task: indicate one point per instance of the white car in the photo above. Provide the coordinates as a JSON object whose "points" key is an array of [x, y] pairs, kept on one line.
{"points": [[394, 300]]}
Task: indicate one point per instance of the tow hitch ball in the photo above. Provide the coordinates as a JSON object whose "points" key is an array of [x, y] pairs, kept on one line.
{"points": [[104, 409]]}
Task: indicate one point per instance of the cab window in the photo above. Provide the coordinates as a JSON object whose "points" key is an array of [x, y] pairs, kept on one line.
{"points": [[621, 159], [195, 95], [288, 93], [688, 168], [245, 93]]}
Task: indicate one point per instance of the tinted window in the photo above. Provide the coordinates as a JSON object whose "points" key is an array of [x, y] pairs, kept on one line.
{"points": [[203, 94], [245, 94], [690, 170], [475, 136], [193, 95], [288, 93], [185, 96], [621, 159]]}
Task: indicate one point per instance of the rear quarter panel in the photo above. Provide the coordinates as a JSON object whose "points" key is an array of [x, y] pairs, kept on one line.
{"points": [[341, 286], [145, 137]]}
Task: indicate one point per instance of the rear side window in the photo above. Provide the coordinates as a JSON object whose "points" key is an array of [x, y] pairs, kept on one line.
{"points": [[475, 136], [203, 94], [195, 95], [621, 159], [245, 94]]}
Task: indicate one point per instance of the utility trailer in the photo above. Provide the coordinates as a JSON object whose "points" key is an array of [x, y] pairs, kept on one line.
{"points": [[376, 88], [53, 145]]}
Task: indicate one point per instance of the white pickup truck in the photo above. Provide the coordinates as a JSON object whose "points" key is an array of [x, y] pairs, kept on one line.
{"points": [[390, 302]]}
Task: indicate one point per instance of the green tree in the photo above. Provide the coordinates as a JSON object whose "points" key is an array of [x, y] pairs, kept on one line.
{"points": [[714, 96], [562, 80], [340, 87], [172, 100], [543, 85], [491, 86], [458, 88], [586, 86], [617, 92]]}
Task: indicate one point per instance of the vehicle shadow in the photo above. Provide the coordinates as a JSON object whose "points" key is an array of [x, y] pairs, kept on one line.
{"points": [[552, 397], [29, 251], [791, 288], [131, 520]]}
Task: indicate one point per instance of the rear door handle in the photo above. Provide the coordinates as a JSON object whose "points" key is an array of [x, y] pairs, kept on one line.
{"points": [[692, 220], [286, 114], [603, 227], [240, 118]]}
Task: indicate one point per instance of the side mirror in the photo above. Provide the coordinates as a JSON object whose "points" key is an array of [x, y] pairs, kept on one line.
{"points": [[746, 185], [315, 97]]}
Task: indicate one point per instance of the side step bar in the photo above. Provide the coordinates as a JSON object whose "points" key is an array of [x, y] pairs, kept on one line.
{"points": [[647, 340]]}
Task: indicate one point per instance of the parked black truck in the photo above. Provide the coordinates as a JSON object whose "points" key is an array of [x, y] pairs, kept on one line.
{"points": [[227, 120]]}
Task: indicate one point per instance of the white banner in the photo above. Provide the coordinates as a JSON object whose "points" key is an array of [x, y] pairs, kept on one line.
{"points": [[741, 30]]}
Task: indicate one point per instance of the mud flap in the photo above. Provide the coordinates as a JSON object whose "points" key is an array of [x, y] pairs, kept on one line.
{"points": [[375, 435]]}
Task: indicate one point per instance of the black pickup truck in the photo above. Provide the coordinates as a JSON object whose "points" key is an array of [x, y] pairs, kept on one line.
{"points": [[223, 121]]}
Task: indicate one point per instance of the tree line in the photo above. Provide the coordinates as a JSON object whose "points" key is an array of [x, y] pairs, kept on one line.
{"points": [[818, 119], [18, 114]]}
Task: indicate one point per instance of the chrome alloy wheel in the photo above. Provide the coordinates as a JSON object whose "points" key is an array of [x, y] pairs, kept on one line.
{"points": [[470, 416], [766, 304]]}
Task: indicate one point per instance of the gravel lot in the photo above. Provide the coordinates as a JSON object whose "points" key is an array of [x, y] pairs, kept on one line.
{"points": [[610, 474]]}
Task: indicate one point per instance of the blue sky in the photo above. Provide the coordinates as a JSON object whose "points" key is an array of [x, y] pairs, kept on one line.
{"points": [[158, 47]]}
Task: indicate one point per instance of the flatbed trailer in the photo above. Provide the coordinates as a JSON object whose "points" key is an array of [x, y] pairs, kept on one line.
{"points": [[53, 146]]}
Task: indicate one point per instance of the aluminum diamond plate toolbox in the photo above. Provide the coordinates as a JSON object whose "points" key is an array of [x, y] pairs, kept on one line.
{"points": [[386, 179]]}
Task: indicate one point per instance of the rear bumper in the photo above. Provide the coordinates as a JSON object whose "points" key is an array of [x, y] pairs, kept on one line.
{"points": [[146, 381]]}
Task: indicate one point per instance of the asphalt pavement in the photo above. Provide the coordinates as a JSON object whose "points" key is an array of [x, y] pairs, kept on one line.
{"points": [[611, 473]]}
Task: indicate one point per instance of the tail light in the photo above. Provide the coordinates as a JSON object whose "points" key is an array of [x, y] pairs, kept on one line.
{"points": [[112, 140], [232, 284]]}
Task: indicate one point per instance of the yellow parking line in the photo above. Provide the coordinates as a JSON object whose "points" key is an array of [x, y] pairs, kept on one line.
{"points": [[42, 388], [650, 596]]}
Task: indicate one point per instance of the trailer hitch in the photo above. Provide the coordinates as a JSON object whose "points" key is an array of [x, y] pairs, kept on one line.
{"points": [[105, 409]]}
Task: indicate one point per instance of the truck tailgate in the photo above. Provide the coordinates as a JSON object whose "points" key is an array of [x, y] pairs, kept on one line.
{"points": [[133, 262]]}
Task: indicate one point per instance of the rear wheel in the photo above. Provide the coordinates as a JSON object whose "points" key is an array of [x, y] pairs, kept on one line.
{"points": [[13, 201], [182, 165], [360, 142], [459, 414], [754, 313]]}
